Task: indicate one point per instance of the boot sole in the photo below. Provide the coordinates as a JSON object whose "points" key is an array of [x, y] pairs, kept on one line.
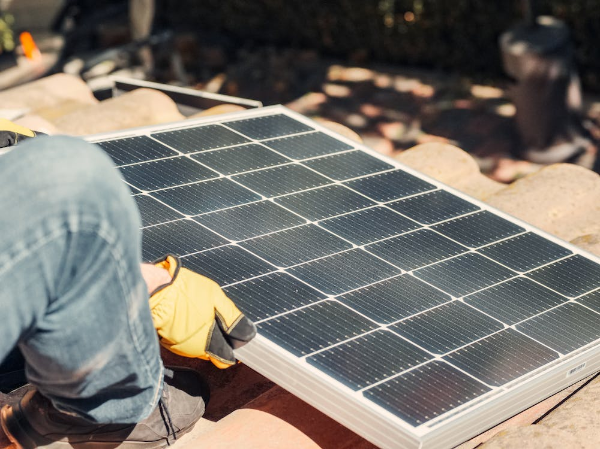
{"points": [[23, 436]]}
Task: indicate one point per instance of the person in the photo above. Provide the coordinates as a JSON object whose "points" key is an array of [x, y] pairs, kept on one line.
{"points": [[87, 314]]}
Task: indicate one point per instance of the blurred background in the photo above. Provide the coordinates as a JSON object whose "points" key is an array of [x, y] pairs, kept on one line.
{"points": [[515, 83]]}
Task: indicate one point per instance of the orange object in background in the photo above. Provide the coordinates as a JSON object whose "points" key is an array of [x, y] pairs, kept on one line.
{"points": [[30, 49]]}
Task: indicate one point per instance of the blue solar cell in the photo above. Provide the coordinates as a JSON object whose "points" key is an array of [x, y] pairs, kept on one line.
{"points": [[296, 245], [501, 357], [271, 295], [227, 264], [369, 225], [135, 149], [571, 277], [314, 327], [235, 223], [390, 185], [324, 202], [426, 392], [369, 359], [348, 165], [443, 329], [200, 138], [268, 126], [433, 207], [478, 229], [416, 249], [207, 196], [307, 145], [343, 272], [393, 299]]}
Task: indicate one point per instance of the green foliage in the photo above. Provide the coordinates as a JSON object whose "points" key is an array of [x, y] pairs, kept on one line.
{"points": [[7, 37]]}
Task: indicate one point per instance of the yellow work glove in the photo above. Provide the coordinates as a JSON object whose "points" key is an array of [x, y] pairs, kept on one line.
{"points": [[11, 133], [194, 318]]}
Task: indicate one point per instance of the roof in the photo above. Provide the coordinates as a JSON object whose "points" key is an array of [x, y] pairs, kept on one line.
{"points": [[246, 409]]}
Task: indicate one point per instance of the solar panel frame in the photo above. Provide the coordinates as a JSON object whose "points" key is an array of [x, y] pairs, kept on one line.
{"points": [[364, 417]]}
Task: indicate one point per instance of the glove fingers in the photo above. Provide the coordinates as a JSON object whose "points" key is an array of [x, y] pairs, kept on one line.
{"points": [[219, 349], [241, 332]]}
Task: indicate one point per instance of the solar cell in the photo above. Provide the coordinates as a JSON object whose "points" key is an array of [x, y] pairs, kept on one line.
{"points": [[166, 173], [268, 127], [179, 238], [343, 272], [515, 300], [271, 295], [525, 252], [443, 329], [571, 277], [154, 212], [324, 202], [426, 392], [393, 299], [348, 165], [277, 181], [502, 357], [307, 145], [393, 318], [464, 274], [229, 161], [218, 264], [591, 300], [369, 359], [433, 207], [296, 245], [579, 327], [369, 225], [478, 229], [250, 220], [315, 327], [416, 249], [207, 196], [390, 185], [200, 138], [135, 149]]}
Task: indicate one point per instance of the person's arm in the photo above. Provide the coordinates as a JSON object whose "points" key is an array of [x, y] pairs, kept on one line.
{"points": [[154, 276]]}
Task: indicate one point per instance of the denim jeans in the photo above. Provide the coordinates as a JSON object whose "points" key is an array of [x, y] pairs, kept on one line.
{"points": [[72, 296]]}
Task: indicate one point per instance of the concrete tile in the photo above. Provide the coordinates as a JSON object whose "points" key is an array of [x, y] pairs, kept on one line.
{"points": [[140, 107], [324, 431], [249, 429]]}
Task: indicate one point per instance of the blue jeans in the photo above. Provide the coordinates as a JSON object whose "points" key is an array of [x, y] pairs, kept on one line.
{"points": [[72, 296]]}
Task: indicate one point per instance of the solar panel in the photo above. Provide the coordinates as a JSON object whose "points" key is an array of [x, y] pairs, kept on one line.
{"points": [[411, 313]]}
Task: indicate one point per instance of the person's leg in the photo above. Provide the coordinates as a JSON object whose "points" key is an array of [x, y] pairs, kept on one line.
{"points": [[72, 294]]}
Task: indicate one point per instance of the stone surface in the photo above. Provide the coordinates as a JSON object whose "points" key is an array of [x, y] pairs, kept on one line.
{"points": [[37, 123], [49, 95], [220, 109], [575, 424], [589, 242], [324, 431], [562, 199], [452, 166], [250, 429], [140, 107]]}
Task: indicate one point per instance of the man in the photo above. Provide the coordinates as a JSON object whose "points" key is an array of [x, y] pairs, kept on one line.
{"points": [[75, 299]]}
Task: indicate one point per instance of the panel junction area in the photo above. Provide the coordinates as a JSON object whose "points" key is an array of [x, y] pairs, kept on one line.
{"points": [[414, 315]]}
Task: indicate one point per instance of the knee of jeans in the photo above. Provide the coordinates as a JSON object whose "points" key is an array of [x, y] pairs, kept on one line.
{"points": [[71, 172], [64, 155]]}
